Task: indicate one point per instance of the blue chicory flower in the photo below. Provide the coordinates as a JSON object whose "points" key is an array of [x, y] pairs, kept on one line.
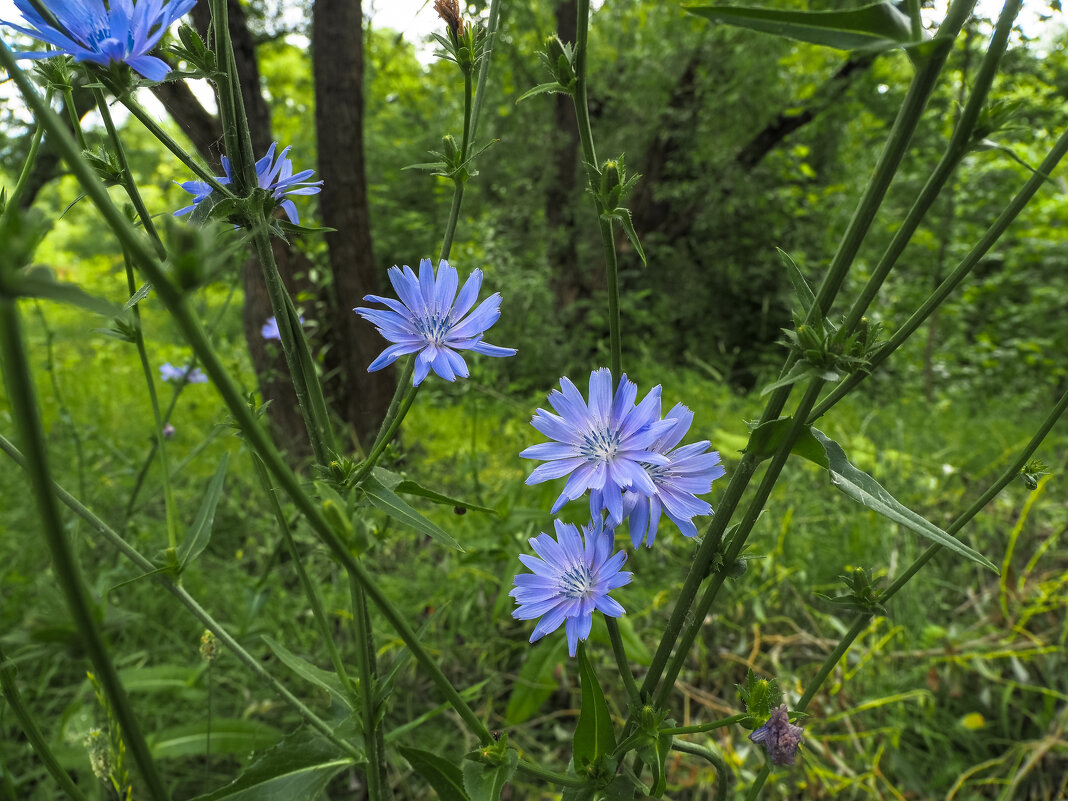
{"points": [[270, 328], [428, 321], [569, 581], [273, 174], [605, 446], [779, 737], [689, 472], [124, 31], [192, 375]]}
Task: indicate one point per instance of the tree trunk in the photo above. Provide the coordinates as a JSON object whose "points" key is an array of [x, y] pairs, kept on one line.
{"points": [[569, 282], [337, 56]]}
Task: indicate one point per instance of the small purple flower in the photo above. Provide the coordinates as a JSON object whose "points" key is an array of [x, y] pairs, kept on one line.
{"points": [[168, 431], [192, 375], [604, 447], [273, 174], [689, 472], [270, 328], [123, 32], [779, 737], [431, 319], [569, 581]]}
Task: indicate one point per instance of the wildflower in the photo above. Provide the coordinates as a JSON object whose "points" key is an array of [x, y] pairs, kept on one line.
{"points": [[209, 646], [270, 328], [192, 375], [273, 174], [570, 579], [689, 472], [427, 320], [89, 31], [779, 737], [168, 431], [449, 11], [604, 446]]}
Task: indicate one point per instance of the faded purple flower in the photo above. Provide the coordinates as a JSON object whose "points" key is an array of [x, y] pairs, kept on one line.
{"points": [[779, 737], [270, 328], [570, 580], [168, 431]]}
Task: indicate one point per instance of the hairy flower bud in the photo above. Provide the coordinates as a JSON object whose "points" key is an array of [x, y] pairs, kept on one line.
{"points": [[209, 647]]}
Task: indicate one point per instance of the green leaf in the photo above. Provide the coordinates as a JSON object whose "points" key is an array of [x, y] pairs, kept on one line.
{"points": [[594, 735], [399, 483], [446, 779], [866, 491], [298, 769], [228, 736], [484, 782], [200, 531], [876, 27], [39, 282], [801, 288], [622, 216], [389, 502], [542, 89], [138, 296], [801, 371], [324, 679], [536, 681], [766, 439]]}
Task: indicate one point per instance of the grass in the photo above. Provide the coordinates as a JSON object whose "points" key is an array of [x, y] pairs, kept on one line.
{"points": [[960, 692]]}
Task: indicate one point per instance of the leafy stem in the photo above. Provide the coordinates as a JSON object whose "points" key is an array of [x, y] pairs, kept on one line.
{"points": [[68, 575]]}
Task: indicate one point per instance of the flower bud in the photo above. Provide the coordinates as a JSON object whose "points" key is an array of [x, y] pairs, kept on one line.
{"points": [[96, 743], [168, 431], [209, 647]]}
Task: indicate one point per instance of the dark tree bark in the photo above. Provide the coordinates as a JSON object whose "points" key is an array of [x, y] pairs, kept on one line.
{"points": [[569, 281], [337, 56]]}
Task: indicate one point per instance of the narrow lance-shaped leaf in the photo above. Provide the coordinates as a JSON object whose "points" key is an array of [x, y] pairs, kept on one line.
{"points": [[594, 736], [389, 502], [875, 27], [200, 531], [446, 779], [866, 491], [324, 679]]}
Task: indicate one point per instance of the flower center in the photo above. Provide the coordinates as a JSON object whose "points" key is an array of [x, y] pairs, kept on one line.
{"points": [[434, 327], [576, 582], [600, 444]]}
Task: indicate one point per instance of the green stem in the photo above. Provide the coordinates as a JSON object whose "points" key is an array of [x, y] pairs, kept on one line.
{"points": [[173, 298], [394, 417], [717, 761], [365, 664], [68, 576], [620, 654], [298, 356], [130, 186], [231, 105], [33, 734], [967, 264], [919, 91], [113, 538], [27, 167], [758, 782], [179, 387], [168, 142], [170, 509], [700, 728], [454, 216], [752, 513], [955, 151], [306, 584], [72, 115], [128, 182], [536, 771], [483, 68]]}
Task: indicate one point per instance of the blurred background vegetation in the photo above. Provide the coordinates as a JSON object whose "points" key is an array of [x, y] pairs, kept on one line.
{"points": [[746, 143]]}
